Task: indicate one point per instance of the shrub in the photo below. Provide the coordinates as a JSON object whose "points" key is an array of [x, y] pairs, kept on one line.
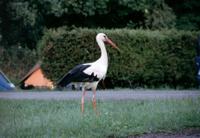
{"points": [[148, 58], [16, 61]]}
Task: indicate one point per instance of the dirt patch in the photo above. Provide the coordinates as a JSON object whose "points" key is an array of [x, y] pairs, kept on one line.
{"points": [[186, 133]]}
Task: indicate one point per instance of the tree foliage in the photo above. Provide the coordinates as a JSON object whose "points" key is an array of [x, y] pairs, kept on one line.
{"points": [[187, 12], [17, 61], [23, 21], [159, 15]]}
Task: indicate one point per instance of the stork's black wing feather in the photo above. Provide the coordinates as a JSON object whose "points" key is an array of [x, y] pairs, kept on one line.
{"points": [[77, 75]]}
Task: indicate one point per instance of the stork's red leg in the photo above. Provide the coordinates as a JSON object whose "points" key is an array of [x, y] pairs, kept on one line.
{"points": [[82, 101], [94, 101]]}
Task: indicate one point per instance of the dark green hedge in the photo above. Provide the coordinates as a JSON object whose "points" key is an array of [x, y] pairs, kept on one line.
{"points": [[148, 58]]}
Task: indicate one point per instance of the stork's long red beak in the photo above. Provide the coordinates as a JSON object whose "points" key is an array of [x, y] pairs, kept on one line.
{"points": [[112, 44]]}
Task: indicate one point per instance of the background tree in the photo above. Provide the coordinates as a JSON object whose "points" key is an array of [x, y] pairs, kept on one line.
{"points": [[159, 15], [187, 12], [23, 21]]}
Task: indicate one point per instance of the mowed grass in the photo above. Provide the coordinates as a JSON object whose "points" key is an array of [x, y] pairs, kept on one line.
{"points": [[37, 118]]}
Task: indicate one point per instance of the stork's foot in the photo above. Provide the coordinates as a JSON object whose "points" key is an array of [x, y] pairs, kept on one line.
{"points": [[82, 107], [95, 106], [97, 113], [82, 101]]}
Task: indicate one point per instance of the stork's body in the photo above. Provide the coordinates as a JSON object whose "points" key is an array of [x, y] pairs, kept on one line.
{"points": [[90, 73]]}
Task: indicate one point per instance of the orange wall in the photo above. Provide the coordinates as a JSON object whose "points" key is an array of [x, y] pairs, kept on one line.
{"points": [[37, 79]]}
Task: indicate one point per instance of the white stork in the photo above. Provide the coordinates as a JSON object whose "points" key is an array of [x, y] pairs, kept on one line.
{"points": [[90, 73]]}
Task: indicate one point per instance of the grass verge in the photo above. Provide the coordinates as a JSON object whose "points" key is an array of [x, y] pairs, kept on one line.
{"points": [[35, 118]]}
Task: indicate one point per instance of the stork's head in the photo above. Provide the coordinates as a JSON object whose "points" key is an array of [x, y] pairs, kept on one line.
{"points": [[106, 40]]}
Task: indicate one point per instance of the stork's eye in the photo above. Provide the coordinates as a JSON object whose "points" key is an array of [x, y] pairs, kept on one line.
{"points": [[104, 36]]}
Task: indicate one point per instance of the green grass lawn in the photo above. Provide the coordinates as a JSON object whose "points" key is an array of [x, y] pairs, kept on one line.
{"points": [[33, 118]]}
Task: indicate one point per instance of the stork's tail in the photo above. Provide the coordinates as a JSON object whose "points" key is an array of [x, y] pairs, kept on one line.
{"points": [[63, 82]]}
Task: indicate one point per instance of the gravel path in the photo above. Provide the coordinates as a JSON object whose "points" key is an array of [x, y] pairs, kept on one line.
{"points": [[118, 94]]}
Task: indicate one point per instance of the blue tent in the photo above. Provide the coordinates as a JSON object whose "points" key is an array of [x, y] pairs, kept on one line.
{"points": [[5, 84]]}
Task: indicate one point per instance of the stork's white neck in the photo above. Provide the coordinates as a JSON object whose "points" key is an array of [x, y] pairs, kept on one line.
{"points": [[104, 56]]}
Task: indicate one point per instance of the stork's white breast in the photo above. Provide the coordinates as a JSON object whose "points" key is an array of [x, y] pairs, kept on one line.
{"points": [[99, 70]]}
